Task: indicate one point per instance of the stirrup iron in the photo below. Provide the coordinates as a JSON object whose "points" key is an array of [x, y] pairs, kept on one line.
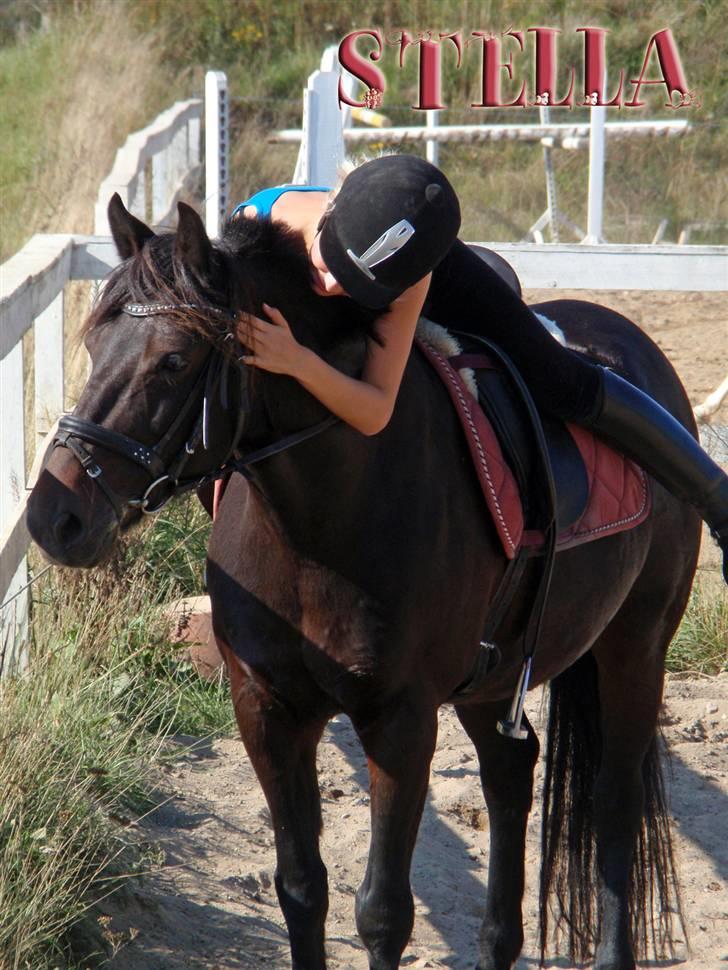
{"points": [[511, 727]]}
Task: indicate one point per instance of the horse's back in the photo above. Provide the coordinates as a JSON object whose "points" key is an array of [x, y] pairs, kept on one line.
{"points": [[608, 337]]}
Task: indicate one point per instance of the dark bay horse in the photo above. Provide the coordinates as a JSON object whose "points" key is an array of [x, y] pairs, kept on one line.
{"points": [[354, 574]]}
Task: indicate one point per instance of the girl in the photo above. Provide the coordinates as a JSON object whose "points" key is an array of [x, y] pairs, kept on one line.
{"points": [[389, 240]]}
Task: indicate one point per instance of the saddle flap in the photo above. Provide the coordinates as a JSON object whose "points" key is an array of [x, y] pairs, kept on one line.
{"points": [[513, 430]]}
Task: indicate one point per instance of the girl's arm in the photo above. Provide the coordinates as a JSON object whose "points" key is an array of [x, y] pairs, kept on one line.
{"points": [[365, 404]]}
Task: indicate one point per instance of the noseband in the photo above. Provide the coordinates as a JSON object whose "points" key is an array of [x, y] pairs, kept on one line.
{"points": [[74, 432]]}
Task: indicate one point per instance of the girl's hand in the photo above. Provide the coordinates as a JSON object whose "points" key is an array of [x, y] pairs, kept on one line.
{"points": [[273, 346]]}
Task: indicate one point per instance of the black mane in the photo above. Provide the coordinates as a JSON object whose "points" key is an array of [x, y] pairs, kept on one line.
{"points": [[255, 261]]}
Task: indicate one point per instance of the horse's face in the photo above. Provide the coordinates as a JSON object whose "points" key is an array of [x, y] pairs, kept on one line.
{"points": [[148, 380], [150, 372]]}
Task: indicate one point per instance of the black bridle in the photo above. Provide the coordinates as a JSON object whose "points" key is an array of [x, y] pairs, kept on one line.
{"points": [[74, 432]]}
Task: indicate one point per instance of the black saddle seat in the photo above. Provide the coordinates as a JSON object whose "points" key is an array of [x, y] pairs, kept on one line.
{"points": [[512, 426]]}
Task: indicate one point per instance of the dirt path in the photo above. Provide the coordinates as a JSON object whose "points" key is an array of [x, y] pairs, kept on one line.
{"points": [[212, 906]]}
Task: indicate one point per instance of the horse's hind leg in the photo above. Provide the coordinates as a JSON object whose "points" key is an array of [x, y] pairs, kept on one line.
{"points": [[399, 743], [506, 774], [283, 753]]}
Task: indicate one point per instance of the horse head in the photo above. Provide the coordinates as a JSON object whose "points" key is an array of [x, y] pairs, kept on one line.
{"points": [[167, 403]]}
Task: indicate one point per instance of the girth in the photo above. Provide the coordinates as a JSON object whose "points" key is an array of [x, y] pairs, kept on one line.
{"points": [[511, 726]]}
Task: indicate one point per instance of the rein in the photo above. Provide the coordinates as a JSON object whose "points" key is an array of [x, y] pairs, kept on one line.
{"points": [[75, 433]]}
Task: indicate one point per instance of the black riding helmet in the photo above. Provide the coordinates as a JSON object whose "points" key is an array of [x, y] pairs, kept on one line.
{"points": [[391, 223]]}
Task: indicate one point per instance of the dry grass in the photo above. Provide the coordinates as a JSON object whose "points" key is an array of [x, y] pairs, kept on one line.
{"points": [[81, 735], [700, 645], [100, 81]]}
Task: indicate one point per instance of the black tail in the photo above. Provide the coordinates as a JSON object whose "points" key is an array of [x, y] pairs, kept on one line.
{"points": [[568, 851]]}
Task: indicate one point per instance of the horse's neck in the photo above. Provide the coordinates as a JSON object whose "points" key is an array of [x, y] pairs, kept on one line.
{"points": [[315, 488], [342, 480]]}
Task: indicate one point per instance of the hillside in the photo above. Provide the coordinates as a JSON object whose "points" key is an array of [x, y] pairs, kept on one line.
{"points": [[76, 79]]}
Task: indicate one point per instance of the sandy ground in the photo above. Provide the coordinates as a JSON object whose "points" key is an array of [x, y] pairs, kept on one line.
{"points": [[211, 904], [214, 905]]}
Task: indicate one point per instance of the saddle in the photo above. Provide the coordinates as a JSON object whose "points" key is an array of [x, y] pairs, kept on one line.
{"points": [[598, 492], [547, 485]]}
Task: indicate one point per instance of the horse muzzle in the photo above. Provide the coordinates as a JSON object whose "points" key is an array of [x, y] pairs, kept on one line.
{"points": [[72, 524]]}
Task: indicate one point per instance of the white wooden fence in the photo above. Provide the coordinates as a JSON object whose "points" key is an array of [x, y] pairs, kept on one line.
{"points": [[149, 172], [169, 151]]}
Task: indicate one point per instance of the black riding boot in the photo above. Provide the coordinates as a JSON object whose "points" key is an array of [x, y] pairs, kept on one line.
{"points": [[468, 295], [647, 433]]}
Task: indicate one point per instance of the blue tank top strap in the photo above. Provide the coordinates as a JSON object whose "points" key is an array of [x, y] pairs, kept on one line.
{"points": [[266, 198]]}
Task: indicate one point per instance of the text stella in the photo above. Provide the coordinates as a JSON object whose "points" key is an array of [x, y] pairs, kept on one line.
{"points": [[661, 44]]}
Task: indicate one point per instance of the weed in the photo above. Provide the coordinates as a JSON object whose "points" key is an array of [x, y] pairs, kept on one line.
{"points": [[700, 645]]}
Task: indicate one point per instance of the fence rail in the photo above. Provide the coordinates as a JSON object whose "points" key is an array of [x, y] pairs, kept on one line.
{"points": [[171, 146], [562, 132]]}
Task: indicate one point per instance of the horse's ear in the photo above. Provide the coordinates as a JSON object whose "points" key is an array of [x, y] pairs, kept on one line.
{"points": [[128, 232], [192, 246]]}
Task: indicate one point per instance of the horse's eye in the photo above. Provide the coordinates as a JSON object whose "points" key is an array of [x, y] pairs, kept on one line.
{"points": [[172, 362]]}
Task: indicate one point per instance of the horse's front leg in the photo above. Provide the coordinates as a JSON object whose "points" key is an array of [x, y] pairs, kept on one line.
{"points": [[399, 743], [506, 774], [282, 750]]}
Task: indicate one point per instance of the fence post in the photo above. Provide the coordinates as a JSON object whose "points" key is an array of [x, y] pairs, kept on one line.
{"points": [[216, 151], [433, 146], [161, 178], [14, 616], [12, 424], [596, 173], [138, 201], [49, 366], [551, 203], [193, 142], [322, 141], [178, 152]]}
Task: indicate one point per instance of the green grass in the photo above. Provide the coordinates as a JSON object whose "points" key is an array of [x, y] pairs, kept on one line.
{"points": [[26, 78], [700, 645], [75, 754], [71, 92], [85, 731]]}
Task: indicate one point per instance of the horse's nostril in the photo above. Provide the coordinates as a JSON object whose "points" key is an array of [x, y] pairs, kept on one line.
{"points": [[67, 528]]}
